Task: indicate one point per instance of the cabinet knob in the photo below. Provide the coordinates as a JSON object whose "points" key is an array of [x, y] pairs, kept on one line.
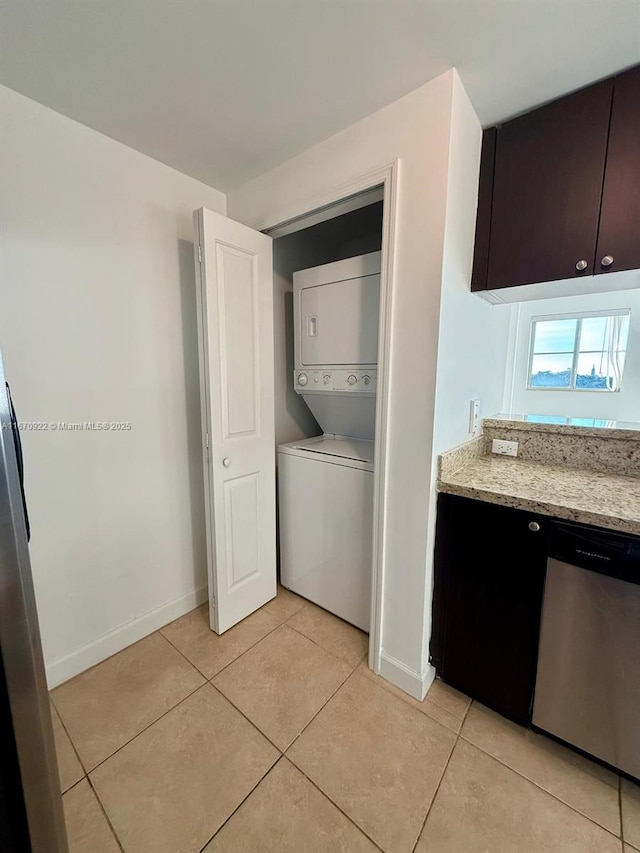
{"points": [[606, 261], [226, 462], [534, 527], [581, 265]]}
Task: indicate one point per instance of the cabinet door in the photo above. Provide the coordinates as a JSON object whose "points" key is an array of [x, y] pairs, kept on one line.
{"points": [[619, 236], [490, 570], [549, 168], [482, 241]]}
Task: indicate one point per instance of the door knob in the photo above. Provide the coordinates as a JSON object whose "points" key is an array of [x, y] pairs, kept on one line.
{"points": [[606, 261], [534, 527], [581, 265], [226, 462]]}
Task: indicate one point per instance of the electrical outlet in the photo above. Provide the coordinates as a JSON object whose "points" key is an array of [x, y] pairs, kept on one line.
{"points": [[504, 448]]}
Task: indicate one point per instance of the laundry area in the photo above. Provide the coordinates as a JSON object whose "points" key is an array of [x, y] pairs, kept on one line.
{"points": [[329, 278], [320, 434]]}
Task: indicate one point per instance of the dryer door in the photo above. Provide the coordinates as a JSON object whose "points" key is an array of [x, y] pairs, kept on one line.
{"points": [[338, 322]]}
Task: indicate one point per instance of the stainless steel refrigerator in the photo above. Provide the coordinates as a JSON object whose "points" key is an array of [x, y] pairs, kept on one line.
{"points": [[31, 817]]}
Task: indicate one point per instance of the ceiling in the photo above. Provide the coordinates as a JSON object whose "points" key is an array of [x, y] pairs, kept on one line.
{"points": [[225, 89]]}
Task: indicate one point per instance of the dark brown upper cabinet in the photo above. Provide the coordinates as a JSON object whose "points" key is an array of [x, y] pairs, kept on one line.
{"points": [[559, 189], [619, 234]]}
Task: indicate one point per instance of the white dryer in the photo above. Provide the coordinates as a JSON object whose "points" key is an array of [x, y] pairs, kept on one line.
{"points": [[326, 483], [335, 319]]}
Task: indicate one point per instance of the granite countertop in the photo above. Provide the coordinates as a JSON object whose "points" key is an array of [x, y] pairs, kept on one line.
{"points": [[579, 427], [588, 497]]}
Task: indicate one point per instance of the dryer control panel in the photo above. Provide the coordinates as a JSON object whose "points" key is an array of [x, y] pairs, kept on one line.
{"points": [[329, 381]]}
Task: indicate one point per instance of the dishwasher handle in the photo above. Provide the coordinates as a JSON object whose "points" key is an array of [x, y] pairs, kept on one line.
{"points": [[606, 552]]}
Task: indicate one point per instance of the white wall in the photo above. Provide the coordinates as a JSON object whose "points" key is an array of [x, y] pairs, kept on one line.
{"points": [[98, 324], [623, 405], [474, 335], [416, 130]]}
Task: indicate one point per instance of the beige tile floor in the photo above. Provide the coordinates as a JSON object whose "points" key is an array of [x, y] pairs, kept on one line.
{"points": [[277, 737]]}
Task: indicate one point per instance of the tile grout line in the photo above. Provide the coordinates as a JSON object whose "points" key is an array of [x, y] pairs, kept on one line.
{"points": [[242, 714], [199, 671], [331, 800], [104, 812], [591, 775], [243, 653], [206, 683], [282, 753], [588, 772], [209, 681], [316, 643], [442, 708], [286, 618], [173, 646], [324, 793], [322, 707], [73, 746], [71, 787], [133, 737], [164, 714], [466, 713], [406, 697], [113, 655], [142, 731], [209, 678], [242, 802], [620, 811], [435, 794], [544, 790], [180, 652], [255, 725]]}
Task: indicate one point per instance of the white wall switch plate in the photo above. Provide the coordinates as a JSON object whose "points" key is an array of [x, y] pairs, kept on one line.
{"points": [[474, 417], [504, 448]]}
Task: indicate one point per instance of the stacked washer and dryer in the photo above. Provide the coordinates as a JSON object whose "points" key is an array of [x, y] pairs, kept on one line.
{"points": [[326, 482]]}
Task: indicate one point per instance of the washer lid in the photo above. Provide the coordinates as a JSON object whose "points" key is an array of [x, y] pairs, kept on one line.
{"points": [[358, 449]]}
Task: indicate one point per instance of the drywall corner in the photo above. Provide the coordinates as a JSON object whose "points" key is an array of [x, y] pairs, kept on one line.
{"points": [[472, 335]]}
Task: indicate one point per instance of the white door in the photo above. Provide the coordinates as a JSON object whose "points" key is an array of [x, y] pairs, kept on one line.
{"points": [[234, 273], [339, 322]]}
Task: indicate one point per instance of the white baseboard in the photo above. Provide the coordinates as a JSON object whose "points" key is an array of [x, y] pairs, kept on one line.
{"points": [[410, 680], [64, 668]]}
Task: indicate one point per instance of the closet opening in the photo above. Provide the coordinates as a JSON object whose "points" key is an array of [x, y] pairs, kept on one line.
{"points": [[328, 312]]}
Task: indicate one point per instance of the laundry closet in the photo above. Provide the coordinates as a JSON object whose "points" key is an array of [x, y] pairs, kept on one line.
{"points": [[327, 298]]}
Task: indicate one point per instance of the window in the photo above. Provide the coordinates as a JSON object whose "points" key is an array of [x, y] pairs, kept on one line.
{"points": [[578, 352]]}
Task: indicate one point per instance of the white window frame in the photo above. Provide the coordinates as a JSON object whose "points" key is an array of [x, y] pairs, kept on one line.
{"points": [[574, 315]]}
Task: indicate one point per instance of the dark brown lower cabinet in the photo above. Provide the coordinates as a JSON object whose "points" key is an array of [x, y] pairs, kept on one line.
{"points": [[490, 564]]}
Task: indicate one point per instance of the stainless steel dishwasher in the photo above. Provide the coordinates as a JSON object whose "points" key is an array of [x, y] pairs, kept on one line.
{"points": [[588, 681]]}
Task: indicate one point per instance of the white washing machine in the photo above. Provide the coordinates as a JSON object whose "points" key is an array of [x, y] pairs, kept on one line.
{"points": [[326, 483], [325, 490]]}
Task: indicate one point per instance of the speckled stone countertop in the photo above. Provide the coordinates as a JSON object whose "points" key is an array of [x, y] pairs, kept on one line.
{"points": [[579, 427], [585, 496]]}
